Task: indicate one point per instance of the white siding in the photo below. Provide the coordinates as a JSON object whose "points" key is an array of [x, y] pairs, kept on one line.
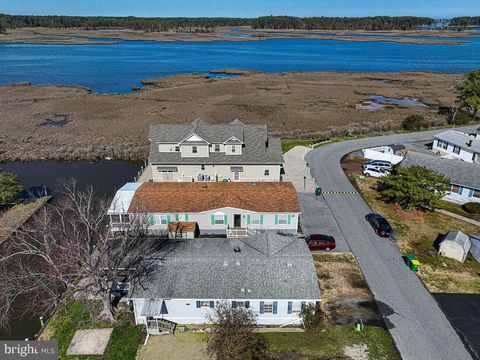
{"points": [[250, 172], [233, 149], [185, 311], [187, 150], [166, 147], [464, 154]]}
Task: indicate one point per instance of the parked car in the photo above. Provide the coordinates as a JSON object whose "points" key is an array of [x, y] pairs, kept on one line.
{"points": [[320, 242], [375, 172], [387, 165], [380, 225]]}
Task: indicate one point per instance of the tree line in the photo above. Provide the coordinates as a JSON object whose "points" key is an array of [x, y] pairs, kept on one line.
{"points": [[341, 23], [131, 23], [206, 24], [465, 21]]}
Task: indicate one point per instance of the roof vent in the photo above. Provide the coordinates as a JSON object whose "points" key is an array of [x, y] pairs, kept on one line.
{"points": [[237, 249], [289, 264], [469, 143], [225, 263], [237, 263], [242, 290]]}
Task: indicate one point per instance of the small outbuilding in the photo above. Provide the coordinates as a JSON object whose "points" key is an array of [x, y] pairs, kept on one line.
{"points": [[475, 248], [455, 245]]}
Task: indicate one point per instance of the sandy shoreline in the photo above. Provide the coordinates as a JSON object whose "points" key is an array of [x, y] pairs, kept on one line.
{"points": [[296, 104], [82, 37]]}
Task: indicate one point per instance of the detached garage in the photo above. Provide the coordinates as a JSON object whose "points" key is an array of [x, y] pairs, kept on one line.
{"points": [[455, 245]]}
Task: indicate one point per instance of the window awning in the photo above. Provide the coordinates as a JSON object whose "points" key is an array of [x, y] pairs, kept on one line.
{"points": [[167, 168], [236, 168]]}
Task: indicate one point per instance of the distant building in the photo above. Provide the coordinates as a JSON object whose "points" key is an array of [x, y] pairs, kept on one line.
{"points": [[458, 145], [269, 274], [455, 245], [213, 152], [232, 209], [464, 177]]}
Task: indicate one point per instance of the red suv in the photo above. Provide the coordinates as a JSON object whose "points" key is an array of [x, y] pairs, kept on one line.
{"points": [[320, 242]]}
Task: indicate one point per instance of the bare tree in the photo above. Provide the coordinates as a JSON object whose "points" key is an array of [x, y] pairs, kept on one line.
{"points": [[66, 252], [232, 335]]}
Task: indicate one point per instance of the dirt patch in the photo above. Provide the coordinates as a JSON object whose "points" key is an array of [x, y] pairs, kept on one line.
{"points": [[345, 294], [357, 352], [292, 105]]}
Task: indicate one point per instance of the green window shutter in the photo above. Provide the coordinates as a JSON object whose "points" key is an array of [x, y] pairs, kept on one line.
{"points": [[276, 219], [212, 219], [289, 219], [248, 219], [186, 217], [152, 220], [225, 220], [176, 217], [168, 219], [261, 219]]}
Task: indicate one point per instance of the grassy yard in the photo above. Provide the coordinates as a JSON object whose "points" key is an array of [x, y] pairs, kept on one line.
{"points": [[416, 232], [123, 343], [332, 342], [288, 144]]}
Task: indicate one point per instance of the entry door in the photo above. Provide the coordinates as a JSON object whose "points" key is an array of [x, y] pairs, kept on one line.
{"points": [[237, 220]]}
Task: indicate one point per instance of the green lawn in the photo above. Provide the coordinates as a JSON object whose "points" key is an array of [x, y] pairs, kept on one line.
{"points": [[123, 343], [288, 144], [332, 341]]}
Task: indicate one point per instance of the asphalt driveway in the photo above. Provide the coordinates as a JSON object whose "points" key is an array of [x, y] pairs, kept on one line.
{"points": [[419, 327]]}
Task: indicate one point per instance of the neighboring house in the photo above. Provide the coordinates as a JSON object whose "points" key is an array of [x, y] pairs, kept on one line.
{"points": [[229, 208], [213, 152], [391, 153], [269, 274], [458, 145], [464, 177], [455, 245], [475, 248]]}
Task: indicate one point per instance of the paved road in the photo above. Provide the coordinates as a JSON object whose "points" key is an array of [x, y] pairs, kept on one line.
{"points": [[416, 322]]}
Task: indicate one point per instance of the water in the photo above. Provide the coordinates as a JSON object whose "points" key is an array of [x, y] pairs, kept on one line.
{"points": [[117, 68], [105, 176]]}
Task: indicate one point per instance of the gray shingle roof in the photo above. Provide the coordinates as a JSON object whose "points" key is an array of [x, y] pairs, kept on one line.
{"points": [[459, 172], [269, 266], [254, 137], [460, 139]]}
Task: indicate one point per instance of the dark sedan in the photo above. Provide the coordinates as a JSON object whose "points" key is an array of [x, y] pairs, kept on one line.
{"points": [[380, 225]]}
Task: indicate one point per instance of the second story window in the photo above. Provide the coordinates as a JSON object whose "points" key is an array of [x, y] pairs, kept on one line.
{"points": [[217, 147], [233, 149], [177, 148], [194, 150]]}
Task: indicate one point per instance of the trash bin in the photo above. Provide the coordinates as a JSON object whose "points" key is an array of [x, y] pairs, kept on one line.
{"points": [[361, 177], [318, 191], [415, 265], [409, 258]]}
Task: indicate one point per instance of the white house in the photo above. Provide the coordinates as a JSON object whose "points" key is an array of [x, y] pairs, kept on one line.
{"points": [[455, 245], [270, 274], [213, 152], [464, 177], [226, 208], [458, 145]]}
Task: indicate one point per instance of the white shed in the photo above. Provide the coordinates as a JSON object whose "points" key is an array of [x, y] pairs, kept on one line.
{"points": [[475, 249], [455, 245]]}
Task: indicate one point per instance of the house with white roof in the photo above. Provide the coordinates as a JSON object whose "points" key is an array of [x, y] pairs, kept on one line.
{"points": [[458, 145], [269, 274], [234, 209], [204, 152]]}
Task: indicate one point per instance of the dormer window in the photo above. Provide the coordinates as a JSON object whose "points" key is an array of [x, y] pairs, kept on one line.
{"points": [[233, 149], [177, 148], [217, 147], [194, 150]]}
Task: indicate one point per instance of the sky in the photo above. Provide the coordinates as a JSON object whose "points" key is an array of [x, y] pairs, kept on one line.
{"points": [[243, 8]]}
